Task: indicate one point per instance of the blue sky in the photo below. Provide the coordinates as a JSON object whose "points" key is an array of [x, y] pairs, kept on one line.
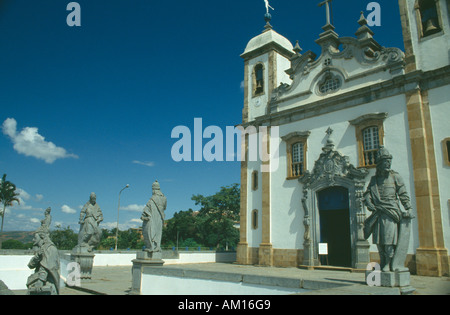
{"points": [[91, 108]]}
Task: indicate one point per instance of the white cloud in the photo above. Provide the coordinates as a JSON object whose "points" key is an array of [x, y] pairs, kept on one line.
{"points": [[21, 222], [67, 209], [39, 197], [149, 164], [23, 194], [133, 207], [23, 197], [30, 143], [131, 224], [35, 220]]}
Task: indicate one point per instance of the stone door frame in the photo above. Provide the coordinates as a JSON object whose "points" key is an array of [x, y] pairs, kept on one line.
{"points": [[356, 215]]}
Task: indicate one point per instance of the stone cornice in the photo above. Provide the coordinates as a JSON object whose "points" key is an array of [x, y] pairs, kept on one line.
{"points": [[266, 48], [395, 86]]}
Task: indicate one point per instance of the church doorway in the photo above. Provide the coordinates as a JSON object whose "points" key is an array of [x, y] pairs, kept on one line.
{"points": [[335, 225]]}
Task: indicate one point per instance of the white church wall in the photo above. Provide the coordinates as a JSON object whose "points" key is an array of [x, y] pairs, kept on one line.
{"points": [[287, 212], [440, 113], [282, 65], [254, 202]]}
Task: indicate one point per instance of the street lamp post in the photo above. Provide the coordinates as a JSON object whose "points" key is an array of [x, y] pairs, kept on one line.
{"points": [[118, 211]]}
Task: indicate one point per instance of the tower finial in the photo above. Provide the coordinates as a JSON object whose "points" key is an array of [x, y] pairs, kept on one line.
{"points": [[268, 16]]}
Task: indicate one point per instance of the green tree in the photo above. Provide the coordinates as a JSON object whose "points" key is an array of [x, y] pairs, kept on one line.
{"points": [[218, 216], [64, 239], [12, 244], [181, 227], [8, 195], [128, 239], [107, 243]]}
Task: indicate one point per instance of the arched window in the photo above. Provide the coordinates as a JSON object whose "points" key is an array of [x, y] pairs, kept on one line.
{"points": [[371, 143], [446, 149], [255, 219], [255, 180], [258, 80], [428, 14]]}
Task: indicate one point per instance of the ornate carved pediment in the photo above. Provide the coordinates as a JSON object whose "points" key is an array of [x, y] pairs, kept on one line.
{"points": [[339, 54], [332, 164]]}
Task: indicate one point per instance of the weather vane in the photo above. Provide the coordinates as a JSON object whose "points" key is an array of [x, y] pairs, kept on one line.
{"points": [[268, 6]]}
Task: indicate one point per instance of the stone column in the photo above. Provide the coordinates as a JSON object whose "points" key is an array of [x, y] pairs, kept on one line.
{"points": [[265, 248], [308, 250], [431, 256], [242, 255], [362, 258]]}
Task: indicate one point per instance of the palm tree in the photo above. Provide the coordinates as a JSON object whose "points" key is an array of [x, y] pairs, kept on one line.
{"points": [[8, 195]]}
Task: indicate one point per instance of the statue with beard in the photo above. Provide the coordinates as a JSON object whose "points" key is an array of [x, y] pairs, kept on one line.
{"points": [[45, 262], [153, 220], [90, 234], [388, 224]]}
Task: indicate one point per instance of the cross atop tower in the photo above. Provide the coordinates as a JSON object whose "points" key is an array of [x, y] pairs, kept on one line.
{"points": [[329, 9]]}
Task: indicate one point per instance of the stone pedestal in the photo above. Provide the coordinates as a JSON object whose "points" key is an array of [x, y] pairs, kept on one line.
{"points": [[400, 279], [48, 289], [362, 257], [86, 262], [143, 259], [395, 279]]}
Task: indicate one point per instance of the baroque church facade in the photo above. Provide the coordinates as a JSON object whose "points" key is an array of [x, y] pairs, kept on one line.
{"points": [[332, 113]]}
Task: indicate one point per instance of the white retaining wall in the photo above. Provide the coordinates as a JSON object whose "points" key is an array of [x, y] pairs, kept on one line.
{"points": [[14, 270]]}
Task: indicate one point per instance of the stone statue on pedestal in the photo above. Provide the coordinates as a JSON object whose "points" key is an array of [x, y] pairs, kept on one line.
{"points": [[389, 224], [45, 262], [152, 227], [153, 220], [89, 236], [90, 233]]}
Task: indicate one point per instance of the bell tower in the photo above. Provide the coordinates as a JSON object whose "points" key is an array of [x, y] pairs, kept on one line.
{"points": [[426, 33], [267, 57]]}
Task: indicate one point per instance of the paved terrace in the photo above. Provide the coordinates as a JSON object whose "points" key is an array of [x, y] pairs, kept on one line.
{"points": [[117, 280]]}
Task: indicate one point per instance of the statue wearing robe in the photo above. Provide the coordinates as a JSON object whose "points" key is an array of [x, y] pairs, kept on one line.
{"points": [[90, 218], [45, 262], [153, 220], [384, 194]]}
